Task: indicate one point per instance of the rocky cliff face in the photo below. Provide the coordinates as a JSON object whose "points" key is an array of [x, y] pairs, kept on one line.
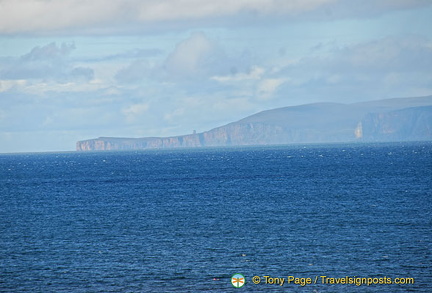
{"points": [[315, 123], [406, 124], [114, 144]]}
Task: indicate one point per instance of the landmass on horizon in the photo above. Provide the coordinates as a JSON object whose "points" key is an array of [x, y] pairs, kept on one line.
{"points": [[399, 119]]}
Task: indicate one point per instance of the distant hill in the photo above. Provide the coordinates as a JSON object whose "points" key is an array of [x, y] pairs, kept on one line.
{"points": [[402, 119]]}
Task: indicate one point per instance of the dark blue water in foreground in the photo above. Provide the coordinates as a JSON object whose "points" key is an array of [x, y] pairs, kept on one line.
{"points": [[186, 221]]}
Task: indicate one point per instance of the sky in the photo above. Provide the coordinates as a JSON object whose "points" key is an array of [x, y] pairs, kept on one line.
{"points": [[78, 69]]}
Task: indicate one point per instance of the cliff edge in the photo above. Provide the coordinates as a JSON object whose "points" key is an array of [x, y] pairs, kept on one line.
{"points": [[405, 119]]}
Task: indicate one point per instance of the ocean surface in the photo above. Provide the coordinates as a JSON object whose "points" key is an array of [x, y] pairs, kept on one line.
{"points": [[188, 220]]}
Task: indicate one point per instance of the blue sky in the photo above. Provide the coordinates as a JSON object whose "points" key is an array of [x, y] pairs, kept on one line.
{"points": [[73, 70]]}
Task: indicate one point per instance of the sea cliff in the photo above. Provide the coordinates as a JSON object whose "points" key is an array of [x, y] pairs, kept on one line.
{"points": [[385, 120]]}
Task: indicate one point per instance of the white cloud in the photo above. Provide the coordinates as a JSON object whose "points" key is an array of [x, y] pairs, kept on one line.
{"points": [[388, 67], [267, 87], [197, 9], [46, 16], [40, 88], [197, 56], [134, 112], [49, 62], [255, 73], [6, 85], [100, 16]]}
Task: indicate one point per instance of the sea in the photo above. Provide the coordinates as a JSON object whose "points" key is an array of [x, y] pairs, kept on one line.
{"points": [[298, 218]]}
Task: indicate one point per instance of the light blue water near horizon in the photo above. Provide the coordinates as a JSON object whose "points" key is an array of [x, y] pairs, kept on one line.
{"points": [[187, 220]]}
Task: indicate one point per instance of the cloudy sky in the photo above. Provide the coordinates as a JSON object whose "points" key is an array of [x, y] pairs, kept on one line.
{"points": [[78, 69]]}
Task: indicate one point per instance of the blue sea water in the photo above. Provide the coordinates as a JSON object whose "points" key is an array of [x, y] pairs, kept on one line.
{"points": [[188, 220]]}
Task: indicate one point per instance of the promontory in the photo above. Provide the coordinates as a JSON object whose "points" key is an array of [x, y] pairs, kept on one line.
{"points": [[401, 119]]}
